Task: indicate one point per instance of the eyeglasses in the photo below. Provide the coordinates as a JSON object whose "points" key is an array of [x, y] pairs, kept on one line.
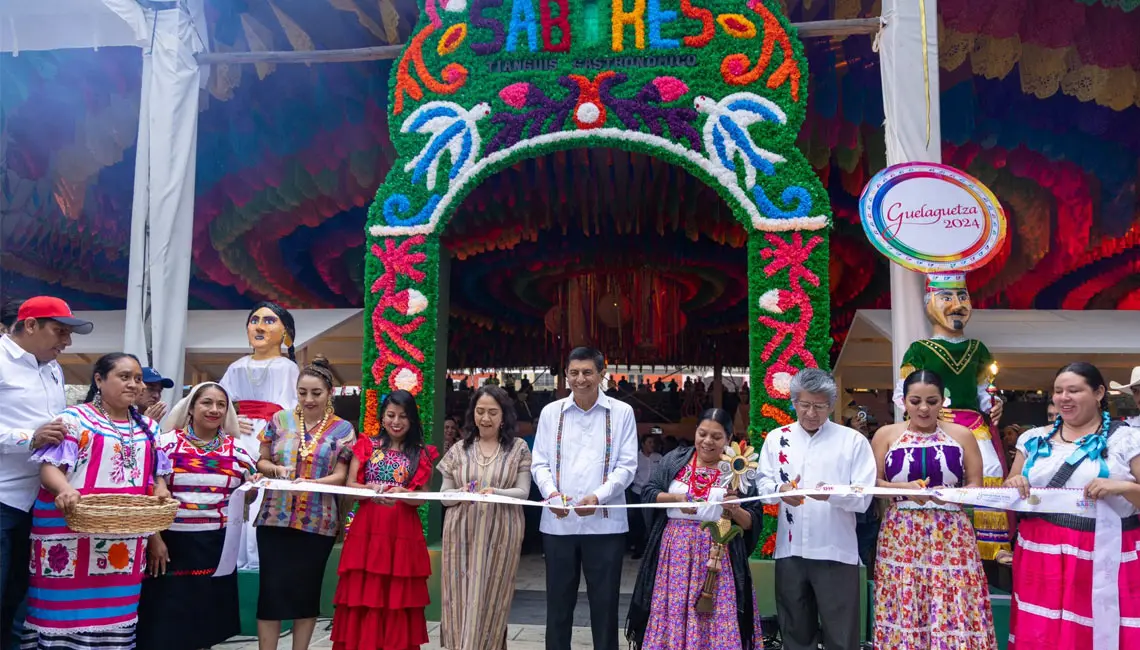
{"points": [[804, 407]]}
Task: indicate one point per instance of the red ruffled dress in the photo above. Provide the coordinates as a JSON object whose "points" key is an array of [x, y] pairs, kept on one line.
{"points": [[384, 565]]}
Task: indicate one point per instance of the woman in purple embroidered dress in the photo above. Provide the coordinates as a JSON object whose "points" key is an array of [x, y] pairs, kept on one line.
{"points": [[663, 613], [930, 589]]}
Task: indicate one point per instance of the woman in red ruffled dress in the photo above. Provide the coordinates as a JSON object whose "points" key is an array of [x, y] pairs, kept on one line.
{"points": [[384, 566]]}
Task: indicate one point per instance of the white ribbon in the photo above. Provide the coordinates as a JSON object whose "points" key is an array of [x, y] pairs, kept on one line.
{"points": [[1042, 500], [1105, 583], [1106, 553]]}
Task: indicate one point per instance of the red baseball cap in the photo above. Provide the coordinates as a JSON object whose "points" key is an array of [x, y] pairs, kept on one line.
{"points": [[55, 309]]}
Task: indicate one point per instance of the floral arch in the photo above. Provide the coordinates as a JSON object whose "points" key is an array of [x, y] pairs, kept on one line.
{"points": [[717, 87]]}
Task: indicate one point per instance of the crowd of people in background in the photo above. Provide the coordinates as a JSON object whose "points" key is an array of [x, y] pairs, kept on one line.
{"points": [[64, 589]]}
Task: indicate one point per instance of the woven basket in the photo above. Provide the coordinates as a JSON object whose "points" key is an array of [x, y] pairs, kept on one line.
{"points": [[124, 514]]}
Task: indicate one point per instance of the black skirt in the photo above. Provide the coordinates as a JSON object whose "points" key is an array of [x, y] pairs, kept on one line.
{"points": [[292, 571], [166, 621]]}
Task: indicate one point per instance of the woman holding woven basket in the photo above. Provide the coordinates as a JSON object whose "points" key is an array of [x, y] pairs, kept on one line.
{"points": [[85, 586], [296, 530], [209, 464]]}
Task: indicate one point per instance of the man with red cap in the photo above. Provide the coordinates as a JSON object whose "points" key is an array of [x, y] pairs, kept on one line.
{"points": [[31, 395]]}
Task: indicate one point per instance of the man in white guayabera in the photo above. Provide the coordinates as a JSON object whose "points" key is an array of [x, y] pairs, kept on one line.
{"points": [[817, 552], [585, 454]]}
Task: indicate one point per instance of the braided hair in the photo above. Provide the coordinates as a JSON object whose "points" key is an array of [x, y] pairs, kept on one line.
{"points": [[286, 321]]}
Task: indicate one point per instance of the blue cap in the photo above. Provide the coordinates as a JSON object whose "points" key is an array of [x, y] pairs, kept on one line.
{"points": [[151, 376]]}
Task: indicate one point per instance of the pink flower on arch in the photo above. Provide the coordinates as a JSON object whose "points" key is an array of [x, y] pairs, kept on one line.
{"points": [[515, 94], [671, 88]]}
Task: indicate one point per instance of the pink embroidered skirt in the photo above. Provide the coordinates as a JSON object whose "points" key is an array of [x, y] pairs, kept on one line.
{"points": [[930, 589], [1052, 588], [674, 623]]}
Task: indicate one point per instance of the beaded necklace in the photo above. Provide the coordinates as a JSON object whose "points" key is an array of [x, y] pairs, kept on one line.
{"points": [[310, 437], [699, 488], [127, 444], [203, 445], [485, 461], [1092, 446]]}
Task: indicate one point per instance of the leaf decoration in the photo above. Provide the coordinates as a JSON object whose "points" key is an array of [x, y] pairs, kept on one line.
{"points": [[300, 41], [260, 39], [391, 19]]}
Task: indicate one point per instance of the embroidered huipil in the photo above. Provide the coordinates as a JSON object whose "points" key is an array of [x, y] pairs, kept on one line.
{"points": [[81, 582], [31, 394], [578, 453], [835, 455], [683, 483], [203, 480], [1077, 576], [310, 512]]}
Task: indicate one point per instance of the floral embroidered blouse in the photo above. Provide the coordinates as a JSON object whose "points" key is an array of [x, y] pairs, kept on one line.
{"points": [[390, 467]]}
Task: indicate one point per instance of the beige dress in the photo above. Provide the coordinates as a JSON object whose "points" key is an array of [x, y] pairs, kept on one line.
{"points": [[481, 546]]}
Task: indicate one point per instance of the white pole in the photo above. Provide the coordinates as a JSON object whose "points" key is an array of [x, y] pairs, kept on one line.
{"points": [[908, 53], [136, 339]]}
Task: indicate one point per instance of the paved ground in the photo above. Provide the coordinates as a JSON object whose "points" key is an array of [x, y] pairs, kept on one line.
{"points": [[521, 637], [528, 613]]}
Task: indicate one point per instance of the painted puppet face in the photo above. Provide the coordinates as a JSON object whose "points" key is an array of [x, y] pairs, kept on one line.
{"points": [[265, 331], [949, 310]]}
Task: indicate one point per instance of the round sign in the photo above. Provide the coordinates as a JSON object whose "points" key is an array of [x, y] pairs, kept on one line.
{"points": [[932, 218]]}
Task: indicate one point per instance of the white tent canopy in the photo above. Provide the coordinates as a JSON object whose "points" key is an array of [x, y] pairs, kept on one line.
{"points": [[162, 215], [1029, 346], [27, 25], [215, 339]]}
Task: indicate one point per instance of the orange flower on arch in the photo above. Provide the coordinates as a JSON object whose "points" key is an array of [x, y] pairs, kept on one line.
{"points": [[118, 555]]}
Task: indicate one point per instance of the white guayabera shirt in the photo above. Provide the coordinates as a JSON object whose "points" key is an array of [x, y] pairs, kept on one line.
{"points": [[835, 455], [579, 453]]}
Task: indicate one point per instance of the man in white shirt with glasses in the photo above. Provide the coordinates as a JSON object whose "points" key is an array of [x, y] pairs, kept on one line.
{"points": [[817, 552]]}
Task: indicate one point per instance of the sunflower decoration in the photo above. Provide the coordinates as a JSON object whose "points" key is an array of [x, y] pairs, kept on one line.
{"points": [[739, 462]]}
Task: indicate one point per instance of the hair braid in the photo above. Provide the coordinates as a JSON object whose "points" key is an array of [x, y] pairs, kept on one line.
{"points": [[138, 419]]}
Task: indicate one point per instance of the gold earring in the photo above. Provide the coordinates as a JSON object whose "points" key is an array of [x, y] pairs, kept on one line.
{"points": [[288, 341], [328, 409]]}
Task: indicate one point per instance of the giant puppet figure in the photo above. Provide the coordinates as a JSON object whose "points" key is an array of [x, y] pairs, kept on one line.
{"points": [[968, 370], [261, 384], [942, 222]]}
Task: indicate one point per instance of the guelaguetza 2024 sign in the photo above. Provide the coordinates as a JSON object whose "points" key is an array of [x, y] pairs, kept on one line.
{"points": [[716, 87], [932, 218]]}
